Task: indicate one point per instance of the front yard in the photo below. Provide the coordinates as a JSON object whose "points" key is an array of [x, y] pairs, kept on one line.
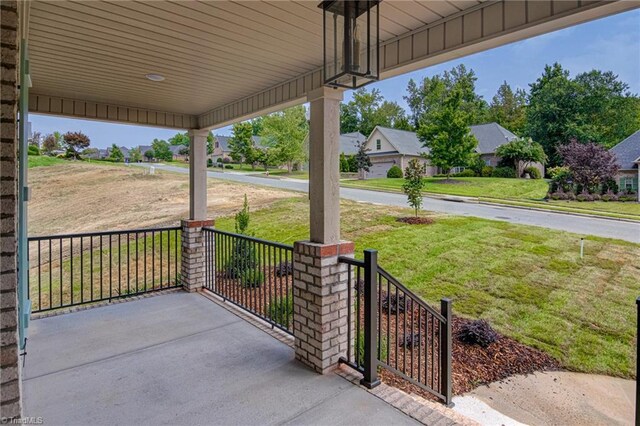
{"points": [[518, 192], [528, 282]]}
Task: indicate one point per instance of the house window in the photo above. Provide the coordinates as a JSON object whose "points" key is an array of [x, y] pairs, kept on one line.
{"points": [[457, 170], [217, 144], [378, 145], [627, 183]]}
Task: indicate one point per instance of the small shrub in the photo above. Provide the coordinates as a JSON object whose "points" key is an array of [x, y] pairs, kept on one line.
{"points": [[534, 173], [209, 162], [219, 160], [284, 269], [477, 332], [595, 197], [504, 172], [609, 196], [33, 150], [466, 173], [228, 166], [281, 311], [251, 278], [584, 196], [394, 172], [226, 160], [487, 171]]}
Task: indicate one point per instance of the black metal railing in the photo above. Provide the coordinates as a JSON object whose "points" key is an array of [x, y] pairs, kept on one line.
{"points": [[393, 328], [74, 269], [254, 274]]}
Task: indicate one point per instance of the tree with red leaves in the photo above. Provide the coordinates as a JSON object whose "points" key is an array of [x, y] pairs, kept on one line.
{"points": [[590, 164], [75, 142]]}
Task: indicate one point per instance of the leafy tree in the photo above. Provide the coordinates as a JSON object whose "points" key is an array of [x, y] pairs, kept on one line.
{"points": [[115, 154], [508, 109], [413, 183], [266, 158], [149, 154], [210, 143], [135, 156], [594, 106], [344, 164], [161, 150], [184, 150], [91, 152], [284, 132], [50, 144], [428, 97], [75, 142], [369, 109], [476, 163], [590, 164], [520, 153], [362, 160], [447, 135], [241, 143], [179, 139], [256, 126]]}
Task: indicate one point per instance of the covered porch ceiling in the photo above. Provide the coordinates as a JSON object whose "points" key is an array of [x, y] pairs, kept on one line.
{"points": [[225, 61]]}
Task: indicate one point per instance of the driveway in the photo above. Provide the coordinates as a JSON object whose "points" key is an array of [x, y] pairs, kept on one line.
{"points": [[607, 228]]}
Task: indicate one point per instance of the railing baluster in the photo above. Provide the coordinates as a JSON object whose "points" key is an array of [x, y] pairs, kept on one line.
{"points": [[446, 349], [50, 277], [71, 257], [81, 271], [91, 267], [39, 278]]}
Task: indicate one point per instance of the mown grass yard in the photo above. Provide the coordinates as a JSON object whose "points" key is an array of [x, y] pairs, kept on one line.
{"points": [[528, 282]]}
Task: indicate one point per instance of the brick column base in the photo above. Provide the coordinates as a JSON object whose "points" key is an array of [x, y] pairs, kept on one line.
{"points": [[192, 272], [320, 303]]}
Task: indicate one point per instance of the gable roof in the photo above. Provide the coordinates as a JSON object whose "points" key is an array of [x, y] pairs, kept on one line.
{"points": [[490, 136], [405, 142], [627, 152], [349, 142]]}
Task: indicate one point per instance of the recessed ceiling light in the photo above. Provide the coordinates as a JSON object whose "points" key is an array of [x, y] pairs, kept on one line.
{"points": [[155, 77]]}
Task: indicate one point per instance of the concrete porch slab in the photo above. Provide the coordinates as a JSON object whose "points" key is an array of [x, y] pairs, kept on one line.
{"points": [[180, 358]]}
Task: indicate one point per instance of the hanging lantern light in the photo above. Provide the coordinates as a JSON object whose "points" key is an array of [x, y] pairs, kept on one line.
{"points": [[351, 39]]}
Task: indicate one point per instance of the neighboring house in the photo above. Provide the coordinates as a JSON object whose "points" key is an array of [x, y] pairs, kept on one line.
{"points": [[627, 154], [349, 142], [391, 146], [125, 153], [177, 151], [221, 146], [143, 149]]}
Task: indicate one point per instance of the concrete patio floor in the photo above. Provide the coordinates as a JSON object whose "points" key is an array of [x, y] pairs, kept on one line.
{"points": [[180, 358]]}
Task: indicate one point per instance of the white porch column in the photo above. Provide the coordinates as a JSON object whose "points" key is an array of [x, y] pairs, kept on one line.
{"points": [[198, 174], [320, 287], [194, 253], [324, 165]]}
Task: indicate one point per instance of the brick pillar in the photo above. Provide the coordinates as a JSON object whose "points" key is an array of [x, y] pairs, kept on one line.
{"points": [[320, 303], [10, 385], [193, 254]]}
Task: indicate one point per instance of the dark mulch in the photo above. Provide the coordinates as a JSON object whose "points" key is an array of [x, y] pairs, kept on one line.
{"points": [[415, 220], [474, 365]]}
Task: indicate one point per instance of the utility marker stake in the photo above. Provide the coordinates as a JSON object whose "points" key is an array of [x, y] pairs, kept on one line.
{"points": [[581, 248]]}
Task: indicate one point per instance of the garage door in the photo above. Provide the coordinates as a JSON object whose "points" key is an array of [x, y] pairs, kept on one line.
{"points": [[379, 170]]}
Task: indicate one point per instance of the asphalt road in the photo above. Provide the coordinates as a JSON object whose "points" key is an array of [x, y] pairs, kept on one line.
{"points": [[607, 228]]}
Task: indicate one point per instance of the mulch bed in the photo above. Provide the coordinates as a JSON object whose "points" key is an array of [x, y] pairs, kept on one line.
{"points": [[474, 365], [415, 220]]}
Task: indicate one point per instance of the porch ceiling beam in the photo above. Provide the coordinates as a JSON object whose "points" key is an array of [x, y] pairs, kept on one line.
{"points": [[83, 109], [489, 24]]}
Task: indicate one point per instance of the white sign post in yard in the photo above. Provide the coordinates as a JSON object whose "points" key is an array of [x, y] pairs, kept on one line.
{"points": [[152, 170]]}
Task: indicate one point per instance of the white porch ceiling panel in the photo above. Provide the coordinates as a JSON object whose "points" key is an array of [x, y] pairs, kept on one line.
{"points": [[228, 60]]}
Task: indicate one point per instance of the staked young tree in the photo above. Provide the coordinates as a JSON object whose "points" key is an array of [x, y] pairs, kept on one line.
{"points": [[414, 183]]}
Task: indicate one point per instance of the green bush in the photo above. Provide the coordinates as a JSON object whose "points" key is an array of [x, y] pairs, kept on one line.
{"points": [[487, 171], [394, 172], [466, 173], [504, 172], [33, 150], [533, 172], [219, 160], [209, 162], [251, 278], [281, 311], [228, 166]]}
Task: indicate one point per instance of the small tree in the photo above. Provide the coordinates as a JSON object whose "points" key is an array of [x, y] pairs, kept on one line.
{"points": [[115, 154], [520, 153], [413, 183], [134, 155], [35, 139], [590, 164], [50, 144], [447, 134], [362, 160], [161, 150], [241, 142], [243, 263], [75, 142], [149, 155]]}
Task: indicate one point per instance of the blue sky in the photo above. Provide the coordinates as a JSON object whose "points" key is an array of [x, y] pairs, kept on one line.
{"points": [[609, 44]]}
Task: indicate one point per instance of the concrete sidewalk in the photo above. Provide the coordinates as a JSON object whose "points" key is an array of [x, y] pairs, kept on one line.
{"points": [[180, 358]]}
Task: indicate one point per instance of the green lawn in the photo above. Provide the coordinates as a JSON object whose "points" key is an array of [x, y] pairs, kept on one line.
{"points": [[528, 282], [524, 192], [43, 161]]}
